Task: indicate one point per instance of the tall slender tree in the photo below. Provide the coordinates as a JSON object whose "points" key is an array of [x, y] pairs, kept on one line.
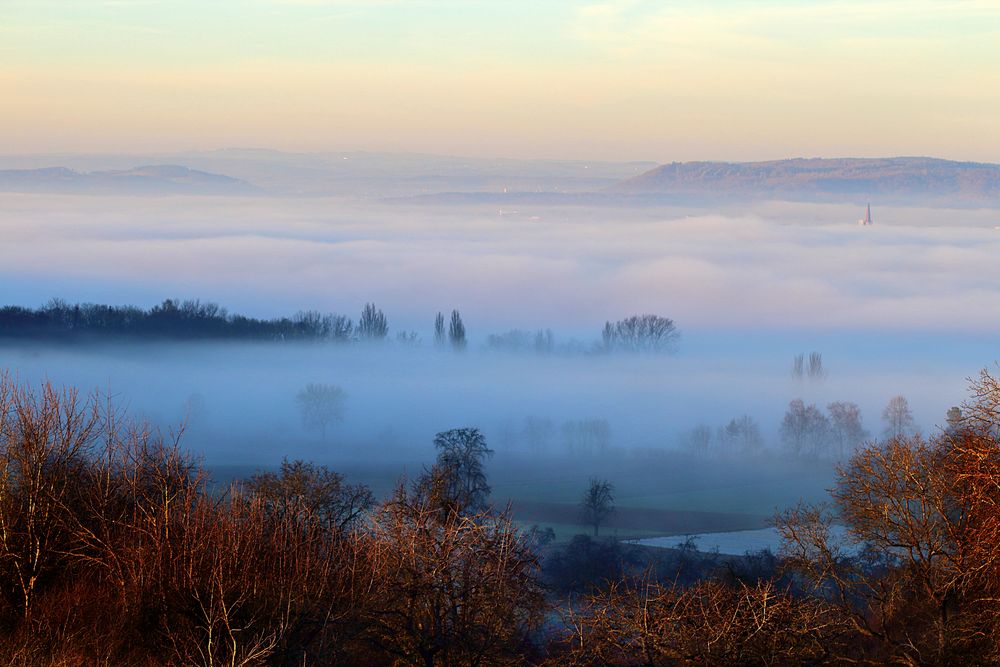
{"points": [[439, 333], [456, 332]]}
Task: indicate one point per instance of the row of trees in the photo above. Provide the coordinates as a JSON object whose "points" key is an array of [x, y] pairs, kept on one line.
{"points": [[586, 437], [541, 341], [640, 333], [198, 320], [184, 320], [806, 432], [740, 437], [115, 549], [455, 334], [814, 370]]}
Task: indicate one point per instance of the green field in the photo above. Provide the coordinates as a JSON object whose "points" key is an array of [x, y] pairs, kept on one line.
{"points": [[655, 494]]}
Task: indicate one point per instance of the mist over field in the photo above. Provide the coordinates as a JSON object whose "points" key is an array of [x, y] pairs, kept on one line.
{"points": [[439, 333], [908, 306]]}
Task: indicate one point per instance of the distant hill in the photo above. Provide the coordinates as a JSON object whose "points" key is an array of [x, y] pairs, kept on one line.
{"points": [[360, 174], [150, 179], [852, 179]]}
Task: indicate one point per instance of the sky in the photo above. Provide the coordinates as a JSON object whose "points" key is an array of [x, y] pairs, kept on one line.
{"points": [[614, 80]]}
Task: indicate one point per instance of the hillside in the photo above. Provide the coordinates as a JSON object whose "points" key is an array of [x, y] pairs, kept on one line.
{"points": [[150, 179], [360, 174], [824, 179]]}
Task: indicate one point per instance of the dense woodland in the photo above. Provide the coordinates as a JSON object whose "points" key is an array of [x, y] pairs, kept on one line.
{"points": [[116, 549]]}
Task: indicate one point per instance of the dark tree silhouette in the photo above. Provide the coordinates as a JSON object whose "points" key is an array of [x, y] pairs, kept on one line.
{"points": [[641, 333], [439, 332], [372, 325], [598, 503], [456, 332], [457, 480], [302, 489], [170, 320], [816, 371]]}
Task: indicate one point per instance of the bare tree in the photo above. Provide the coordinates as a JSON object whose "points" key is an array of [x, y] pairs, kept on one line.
{"points": [[598, 503], [805, 430], [456, 589], [641, 333], [798, 366], [373, 324], [816, 371], [320, 405], [456, 331], [439, 332], [457, 481], [301, 488], [922, 585], [898, 418], [45, 440], [710, 623], [846, 430], [339, 328]]}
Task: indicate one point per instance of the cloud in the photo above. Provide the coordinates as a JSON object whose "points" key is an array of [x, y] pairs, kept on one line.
{"points": [[909, 306], [775, 267]]}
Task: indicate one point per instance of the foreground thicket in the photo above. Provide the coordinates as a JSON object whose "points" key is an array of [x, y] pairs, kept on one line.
{"points": [[912, 577], [115, 549]]}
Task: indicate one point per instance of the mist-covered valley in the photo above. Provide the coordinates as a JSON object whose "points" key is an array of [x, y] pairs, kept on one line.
{"points": [[438, 333], [906, 307]]}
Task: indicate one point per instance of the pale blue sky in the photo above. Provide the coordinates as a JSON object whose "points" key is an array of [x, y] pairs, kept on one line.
{"points": [[624, 79]]}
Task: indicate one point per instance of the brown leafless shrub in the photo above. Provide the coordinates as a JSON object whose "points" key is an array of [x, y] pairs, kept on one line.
{"points": [[45, 438], [708, 624], [115, 550], [925, 588], [459, 589]]}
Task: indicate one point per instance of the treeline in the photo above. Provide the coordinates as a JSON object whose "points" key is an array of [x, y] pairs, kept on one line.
{"points": [[806, 432], [115, 549], [171, 320], [199, 320]]}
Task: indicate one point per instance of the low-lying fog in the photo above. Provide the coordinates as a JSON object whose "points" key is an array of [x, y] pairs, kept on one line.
{"points": [[240, 399], [909, 306]]}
